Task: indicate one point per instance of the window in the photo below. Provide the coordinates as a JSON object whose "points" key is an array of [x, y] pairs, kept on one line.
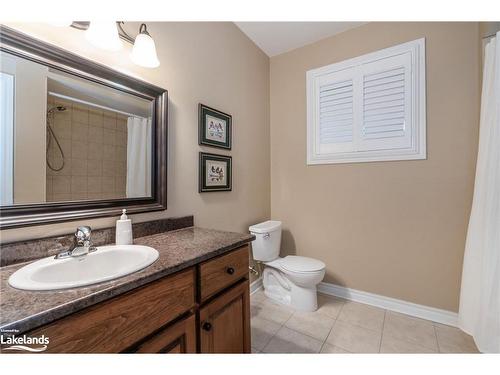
{"points": [[369, 108]]}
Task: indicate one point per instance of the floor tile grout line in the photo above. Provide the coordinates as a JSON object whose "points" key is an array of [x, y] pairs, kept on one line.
{"points": [[333, 325], [329, 332], [268, 341], [281, 326], [336, 319], [301, 333], [328, 335], [358, 326], [412, 341], [274, 334], [341, 347], [272, 321], [305, 334], [294, 330], [437, 340], [382, 335], [268, 320]]}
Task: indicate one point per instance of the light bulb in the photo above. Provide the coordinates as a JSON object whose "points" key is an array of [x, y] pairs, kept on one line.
{"points": [[104, 35]]}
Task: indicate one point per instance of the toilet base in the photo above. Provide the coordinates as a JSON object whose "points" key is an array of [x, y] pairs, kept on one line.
{"points": [[280, 289]]}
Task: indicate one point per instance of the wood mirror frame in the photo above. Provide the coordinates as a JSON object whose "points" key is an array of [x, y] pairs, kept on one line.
{"points": [[21, 45]]}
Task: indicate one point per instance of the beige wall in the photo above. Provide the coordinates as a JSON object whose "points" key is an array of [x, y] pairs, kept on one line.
{"points": [[212, 63], [391, 228]]}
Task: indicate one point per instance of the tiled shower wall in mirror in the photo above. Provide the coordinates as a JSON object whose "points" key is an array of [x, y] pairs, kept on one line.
{"points": [[94, 143]]}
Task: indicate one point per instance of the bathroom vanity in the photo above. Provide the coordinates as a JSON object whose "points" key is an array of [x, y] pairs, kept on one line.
{"points": [[193, 299], [161, 316]]}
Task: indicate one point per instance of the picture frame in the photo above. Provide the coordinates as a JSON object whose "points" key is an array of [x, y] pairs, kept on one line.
{"points": [[215, 172], [214, 127]]}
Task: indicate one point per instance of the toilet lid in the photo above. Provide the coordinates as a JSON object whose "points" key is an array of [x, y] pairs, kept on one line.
{"points": [[301, 264]]}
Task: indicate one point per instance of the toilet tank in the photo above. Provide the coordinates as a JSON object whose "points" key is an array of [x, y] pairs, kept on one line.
{"points": [[266, 246]]}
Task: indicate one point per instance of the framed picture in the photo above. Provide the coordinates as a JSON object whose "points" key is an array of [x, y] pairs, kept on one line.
{"points": [[214, 127], [214, 172]]}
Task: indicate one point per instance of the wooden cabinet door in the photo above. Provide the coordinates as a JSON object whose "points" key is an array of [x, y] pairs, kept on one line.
{"points": [[225, 322], [176, 339]]}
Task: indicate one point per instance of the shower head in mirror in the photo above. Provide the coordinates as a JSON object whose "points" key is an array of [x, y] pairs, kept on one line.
{"points": [[58, 108]]}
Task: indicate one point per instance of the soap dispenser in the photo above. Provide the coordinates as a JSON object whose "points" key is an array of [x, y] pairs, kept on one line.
{"points": [[123, 230]]}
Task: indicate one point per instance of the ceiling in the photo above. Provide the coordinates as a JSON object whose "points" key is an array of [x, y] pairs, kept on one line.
{"points": [[275, 38]]}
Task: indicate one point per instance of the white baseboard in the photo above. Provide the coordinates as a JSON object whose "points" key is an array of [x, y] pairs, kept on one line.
{"points": [[404, 307], [256, 285]]}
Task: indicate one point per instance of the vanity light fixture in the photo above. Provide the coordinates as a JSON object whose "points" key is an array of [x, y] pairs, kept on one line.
{"points": [[107, 35], [104, 35], [144, 49]]}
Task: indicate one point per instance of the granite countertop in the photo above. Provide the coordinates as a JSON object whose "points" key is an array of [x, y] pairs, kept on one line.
{"points": [[21, 311]]}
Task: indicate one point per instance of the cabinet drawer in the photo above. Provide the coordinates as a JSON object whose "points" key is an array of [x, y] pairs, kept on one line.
{"points": [[221, 272], [113, 326]]}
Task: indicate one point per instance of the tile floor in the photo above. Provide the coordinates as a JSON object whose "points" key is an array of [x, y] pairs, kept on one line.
{"points": [[340, 326]]}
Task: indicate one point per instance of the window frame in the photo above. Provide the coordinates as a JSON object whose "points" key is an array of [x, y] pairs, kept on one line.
{"points": [[417, 150]]}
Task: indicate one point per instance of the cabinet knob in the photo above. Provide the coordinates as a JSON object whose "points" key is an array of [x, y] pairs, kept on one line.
{"points": [[230, 270], [207, 326]]}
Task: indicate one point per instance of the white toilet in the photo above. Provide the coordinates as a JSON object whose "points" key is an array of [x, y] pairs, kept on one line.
{"points": [[291, 280]]}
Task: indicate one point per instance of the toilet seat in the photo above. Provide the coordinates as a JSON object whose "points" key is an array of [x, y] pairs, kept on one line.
{"points": [[298, 264]]}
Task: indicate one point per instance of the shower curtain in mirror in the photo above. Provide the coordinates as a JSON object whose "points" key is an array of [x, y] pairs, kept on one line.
{"points": [[138, 157], [479, 313], [6, 139]]}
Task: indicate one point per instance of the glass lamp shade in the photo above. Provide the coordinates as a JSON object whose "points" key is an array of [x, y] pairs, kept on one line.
{"points": [[144, 51], [104, 35]]}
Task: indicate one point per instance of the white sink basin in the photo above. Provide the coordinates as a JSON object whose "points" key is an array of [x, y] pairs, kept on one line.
{"points": [[107, 263]]}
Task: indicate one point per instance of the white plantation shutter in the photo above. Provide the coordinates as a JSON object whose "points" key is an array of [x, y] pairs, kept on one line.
{"points": [[368, 108], [387, 103], [336, 112]]}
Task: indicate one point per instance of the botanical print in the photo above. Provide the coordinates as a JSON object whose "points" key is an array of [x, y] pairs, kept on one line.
{"points": [[216, 173], [215, 129]]}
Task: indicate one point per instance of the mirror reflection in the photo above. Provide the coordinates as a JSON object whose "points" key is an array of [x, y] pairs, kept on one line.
{"points": [[65, 138]]}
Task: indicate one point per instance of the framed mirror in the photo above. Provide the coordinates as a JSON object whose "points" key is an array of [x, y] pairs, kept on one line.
{"points": [[77, 139]]}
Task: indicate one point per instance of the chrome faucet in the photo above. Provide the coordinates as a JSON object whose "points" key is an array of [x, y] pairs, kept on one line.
{"points": [[82, 245]]}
